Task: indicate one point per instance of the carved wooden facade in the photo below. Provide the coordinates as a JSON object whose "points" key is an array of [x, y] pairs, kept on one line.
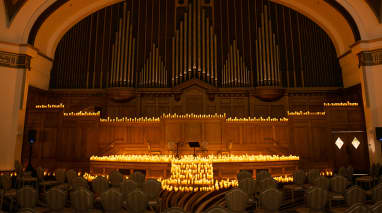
{"points": [[69, 142]]}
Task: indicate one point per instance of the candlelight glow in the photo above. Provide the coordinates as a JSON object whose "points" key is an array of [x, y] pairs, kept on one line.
{"points": [[193, 116], [81, 114], [347, 103], [189, 174], [284, 179], [254, 119], [327, 172], [212, 158], [50, 106], [296, 113], [131, 120]]}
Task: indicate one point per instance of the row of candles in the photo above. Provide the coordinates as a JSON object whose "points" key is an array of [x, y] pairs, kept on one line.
{"points": [[254, 119], [50, 106], [305, 113], [193, 116], [190, 158], [131, 120], [347, 103], [216, 185], [81, 114]]}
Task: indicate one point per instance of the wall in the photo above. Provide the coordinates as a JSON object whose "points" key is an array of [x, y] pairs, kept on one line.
{"points": [[69, 142]]}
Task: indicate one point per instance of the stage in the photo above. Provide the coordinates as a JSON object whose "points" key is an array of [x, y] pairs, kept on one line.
{"points": [[223, 168]]}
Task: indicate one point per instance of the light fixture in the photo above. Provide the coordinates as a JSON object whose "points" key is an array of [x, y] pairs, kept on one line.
{"points": [[355, 142], [339, 143]]}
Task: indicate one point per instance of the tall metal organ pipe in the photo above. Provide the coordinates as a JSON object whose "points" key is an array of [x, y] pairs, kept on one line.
{"points": [[123, 53], [267, 53]]}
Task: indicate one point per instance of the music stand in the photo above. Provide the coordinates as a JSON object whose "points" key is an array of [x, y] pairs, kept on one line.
{"points": [[194, 145]]}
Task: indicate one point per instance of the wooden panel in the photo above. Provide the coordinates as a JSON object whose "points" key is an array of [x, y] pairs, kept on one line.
{"points": [[193, 131], [301, 137], [212, 132], [194, 104]]}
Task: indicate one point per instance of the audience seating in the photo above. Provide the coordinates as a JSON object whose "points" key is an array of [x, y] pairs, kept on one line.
{"points": [[56, 199], [270, 200], [138, 195], [136, 201], [298, 182], [243, 175], [79, 182], [376, 193], [358, 208], [338, 185], [316, 200], [152, 189], [248, 185], [42, 182], [128, 186], [377, 207], [236, 200], [99, 185], [23, 177], [353, 195], [81, 200], [111, 200], [8, 191], [116, 179], [322, 182], [27, 197], [70, 175], [139, 178]]}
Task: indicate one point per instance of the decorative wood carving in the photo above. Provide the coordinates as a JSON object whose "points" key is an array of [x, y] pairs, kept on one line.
{"points": [[14, 60], [370, 58]]}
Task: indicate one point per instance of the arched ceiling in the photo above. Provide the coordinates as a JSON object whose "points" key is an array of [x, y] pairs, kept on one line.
{"points": [[52, 24]]}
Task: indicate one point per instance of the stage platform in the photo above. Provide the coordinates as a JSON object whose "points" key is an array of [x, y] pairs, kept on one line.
{"points": [[221, 170]]}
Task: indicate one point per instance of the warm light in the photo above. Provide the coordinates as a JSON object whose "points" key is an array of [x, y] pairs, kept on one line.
{"points": [[130, 120], [347, 103], [193, 116], [339, 143], [284, 179], [355, 143], [301, 113], [81, 114], [327, 172], [254, 119], [213, 158], [50, 106], [192, 174]]}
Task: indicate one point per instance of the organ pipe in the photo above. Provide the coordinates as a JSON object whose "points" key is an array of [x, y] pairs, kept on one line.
{"points": [[112, 56], [267, 50], [197, 46], [173, 60], [123, 57], [203, 45], [154, 69], [236, 71]]}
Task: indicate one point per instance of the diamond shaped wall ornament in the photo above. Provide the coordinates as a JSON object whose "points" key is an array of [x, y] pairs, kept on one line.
{"points": [[339, 143], [355, 142]]}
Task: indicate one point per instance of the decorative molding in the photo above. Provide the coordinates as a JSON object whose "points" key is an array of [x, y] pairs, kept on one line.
{"points": [[14, 60], [370, 58]]}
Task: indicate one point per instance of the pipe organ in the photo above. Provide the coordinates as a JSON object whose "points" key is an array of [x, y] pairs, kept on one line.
{"points": [[153, 73], [267, 53], [195, 47], [225, 43], [122, 55], [235, 72]]}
